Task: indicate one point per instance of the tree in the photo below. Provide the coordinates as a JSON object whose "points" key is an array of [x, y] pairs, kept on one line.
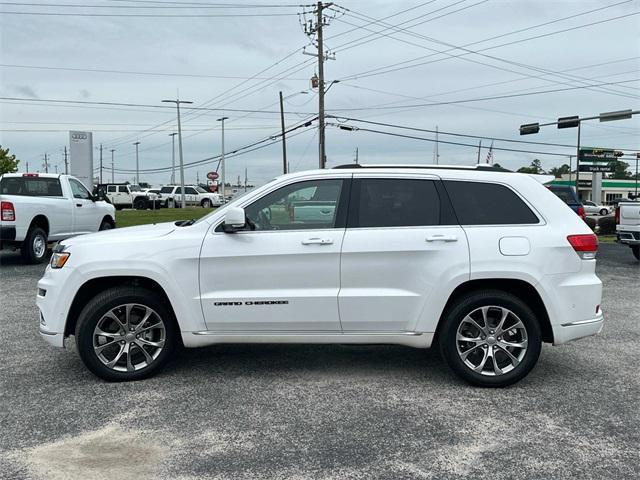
{"points": [[8, 163], [535, 167], [559, 171], [620, 170]]}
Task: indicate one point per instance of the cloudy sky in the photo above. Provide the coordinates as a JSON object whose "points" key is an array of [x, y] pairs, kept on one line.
{"points": [[584, 56]]}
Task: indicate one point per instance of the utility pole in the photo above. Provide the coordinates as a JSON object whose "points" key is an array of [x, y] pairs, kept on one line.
{"points": [[197, 178], [222, 174], [245, 179], [479, 148], [137, 165], [100, 163], [317, 31], [66, 163], [56, 167], [46, 165], [284, 142], [27, 167], [356, 155], [173, 157], [177, 101], [112, 163]]}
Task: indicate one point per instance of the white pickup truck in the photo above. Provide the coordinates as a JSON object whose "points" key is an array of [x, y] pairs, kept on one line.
{"points": [[628, 225], [37, 208]]}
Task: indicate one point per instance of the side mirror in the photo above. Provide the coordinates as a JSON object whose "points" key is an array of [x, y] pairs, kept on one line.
{"points": [[234, 220]]}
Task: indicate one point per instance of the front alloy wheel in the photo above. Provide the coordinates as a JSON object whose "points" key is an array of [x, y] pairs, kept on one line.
{"points": [[129, 337], [126, 333]]}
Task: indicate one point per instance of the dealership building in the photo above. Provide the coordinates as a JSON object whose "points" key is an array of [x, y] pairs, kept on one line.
{"points": [[612, 189]]}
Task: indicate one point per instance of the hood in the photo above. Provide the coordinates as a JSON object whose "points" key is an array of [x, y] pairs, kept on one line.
{"points": [[127, 234]]}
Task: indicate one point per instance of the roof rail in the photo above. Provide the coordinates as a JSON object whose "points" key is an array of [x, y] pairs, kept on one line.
{"points": [[485, 167]]}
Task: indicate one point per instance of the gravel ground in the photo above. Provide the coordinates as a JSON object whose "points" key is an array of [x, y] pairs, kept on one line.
{"points": [[322, 411]]}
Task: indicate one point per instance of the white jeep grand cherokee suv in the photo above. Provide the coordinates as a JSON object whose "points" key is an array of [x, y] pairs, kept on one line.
{"points": [[484, 263]]}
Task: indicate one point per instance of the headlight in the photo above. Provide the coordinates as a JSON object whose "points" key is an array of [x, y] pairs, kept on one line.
{"points": [[58, 259]]}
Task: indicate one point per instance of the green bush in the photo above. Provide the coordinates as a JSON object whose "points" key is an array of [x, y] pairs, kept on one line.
{"points": [[607, 225]]}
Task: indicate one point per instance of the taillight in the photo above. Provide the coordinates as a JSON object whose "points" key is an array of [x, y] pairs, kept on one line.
{"points": [[617, 215], [30, 175], [8, 213], [585, 245], [581, 212]]}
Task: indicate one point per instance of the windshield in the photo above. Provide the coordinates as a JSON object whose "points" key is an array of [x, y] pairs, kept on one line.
{"points": [[239, 196], [201, 190], [135, 188]]}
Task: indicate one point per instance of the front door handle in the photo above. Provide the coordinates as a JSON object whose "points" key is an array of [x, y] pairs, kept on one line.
{"points": [[317, 241], [441, 238], [78, 204]]}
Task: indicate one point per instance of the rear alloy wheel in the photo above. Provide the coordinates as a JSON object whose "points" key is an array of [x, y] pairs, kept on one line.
{"points": [[140, 204], [125, 333], [491, 339], [206, 203], [34, 247], [636, 251], [604, 211]]}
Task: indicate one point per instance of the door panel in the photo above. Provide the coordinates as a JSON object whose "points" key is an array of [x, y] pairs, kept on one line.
{"points": [[401, 245], [282, 273], [242, 273]]}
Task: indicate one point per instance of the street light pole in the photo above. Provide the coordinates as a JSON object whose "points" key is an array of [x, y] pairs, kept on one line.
{"points": [[173, 157], [284, 142], [137, 165], [112, 174], [222, 167], [177, 102]]}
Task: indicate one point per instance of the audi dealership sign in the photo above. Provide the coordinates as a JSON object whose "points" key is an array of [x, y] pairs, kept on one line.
{"points": [[81, 157]]}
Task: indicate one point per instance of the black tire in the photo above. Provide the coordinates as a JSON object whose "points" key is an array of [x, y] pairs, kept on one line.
{"points": [[140, 204], [118, 207], [34, 247], [467, 305], [109, 299], [604, 212], [206, 203], [106, 225], [636, 251]]}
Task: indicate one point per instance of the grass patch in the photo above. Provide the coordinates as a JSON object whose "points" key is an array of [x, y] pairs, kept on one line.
{"points": [[130, 218], [607, 238]]}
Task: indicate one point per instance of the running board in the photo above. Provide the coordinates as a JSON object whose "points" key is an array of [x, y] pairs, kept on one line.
{"points": [[409, 339]]}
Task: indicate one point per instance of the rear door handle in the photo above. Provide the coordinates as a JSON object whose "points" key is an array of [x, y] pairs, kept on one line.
{"points": [[78, 204], [441, 238], [317, 241]]}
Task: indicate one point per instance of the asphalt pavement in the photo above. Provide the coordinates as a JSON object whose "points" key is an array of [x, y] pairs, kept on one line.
{"points": [[325, 412]]}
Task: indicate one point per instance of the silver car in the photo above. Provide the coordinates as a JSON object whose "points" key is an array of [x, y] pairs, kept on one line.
{"points": [[592, 208]]}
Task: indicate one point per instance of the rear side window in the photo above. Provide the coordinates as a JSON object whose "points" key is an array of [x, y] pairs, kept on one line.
{"points": [[122, 189], [477, 203], [166, 190], [31, 186], [389, 202], [566, 194], [111, 188]]}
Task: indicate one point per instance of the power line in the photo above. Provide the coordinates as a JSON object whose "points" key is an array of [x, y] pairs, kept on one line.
{"points": [[495, 97], [413, 137], [390, 68], [168, 5], [455, 134], [150, 15]]}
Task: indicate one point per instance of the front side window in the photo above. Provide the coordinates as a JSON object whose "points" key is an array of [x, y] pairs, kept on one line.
{"points": [[301, 206], [123, 189], [111, 189], [190, 191], [477, 203], [389, 202], [78, 190]]}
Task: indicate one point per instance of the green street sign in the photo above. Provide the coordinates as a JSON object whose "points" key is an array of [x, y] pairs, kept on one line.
{"points": [[597, 155]]}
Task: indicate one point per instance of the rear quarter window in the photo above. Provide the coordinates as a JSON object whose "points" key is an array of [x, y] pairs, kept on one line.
{"points": [[479, 203]]}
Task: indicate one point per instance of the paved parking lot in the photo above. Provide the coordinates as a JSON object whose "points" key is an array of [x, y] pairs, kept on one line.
{"points": [[322, 411]]}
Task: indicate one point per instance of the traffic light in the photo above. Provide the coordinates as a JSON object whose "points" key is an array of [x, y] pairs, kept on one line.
{"points": [[569, 122], [529, 128], [618, 153]]}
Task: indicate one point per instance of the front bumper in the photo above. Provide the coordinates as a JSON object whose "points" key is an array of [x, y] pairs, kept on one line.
{"points": [[579, 329], [54, 296]]}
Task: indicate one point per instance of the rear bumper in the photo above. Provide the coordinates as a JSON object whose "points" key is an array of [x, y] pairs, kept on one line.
{"points": [[579, 329], [628, 237], [7, 236]]}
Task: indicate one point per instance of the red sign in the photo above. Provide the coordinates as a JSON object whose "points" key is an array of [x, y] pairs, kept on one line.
{"points": [[212, 175]]}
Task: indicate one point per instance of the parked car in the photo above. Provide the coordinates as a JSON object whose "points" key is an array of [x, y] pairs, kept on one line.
{"points": [[627, 216], [125, 195], [592, 208], [194, 196], [486, 265], [569, 196], [40, 208]]}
